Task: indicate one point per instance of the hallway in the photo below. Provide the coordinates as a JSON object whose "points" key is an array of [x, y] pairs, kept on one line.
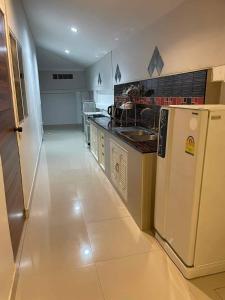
{"points": [[81, 243]]}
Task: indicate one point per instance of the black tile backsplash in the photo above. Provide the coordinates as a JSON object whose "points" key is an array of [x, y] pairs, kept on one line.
{"points": [[186, 88]]}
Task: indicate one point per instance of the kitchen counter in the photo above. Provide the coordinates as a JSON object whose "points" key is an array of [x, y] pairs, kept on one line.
{"points": [[111, 127]]}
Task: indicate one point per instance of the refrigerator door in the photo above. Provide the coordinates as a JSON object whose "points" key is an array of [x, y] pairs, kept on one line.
{"points": [[163, 167], [210, 245], [186, 167]]}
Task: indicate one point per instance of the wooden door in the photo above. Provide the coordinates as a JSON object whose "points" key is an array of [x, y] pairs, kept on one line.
{"points": [[9, 148]]}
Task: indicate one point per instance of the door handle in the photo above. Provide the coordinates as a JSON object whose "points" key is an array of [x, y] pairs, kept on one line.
{"points": [[117, 167], [18, 129]]}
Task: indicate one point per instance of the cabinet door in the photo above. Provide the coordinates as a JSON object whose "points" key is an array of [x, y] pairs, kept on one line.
{"points": [[123, 173], [101, 149], [114, 163], [94, 140], [119, 159]]}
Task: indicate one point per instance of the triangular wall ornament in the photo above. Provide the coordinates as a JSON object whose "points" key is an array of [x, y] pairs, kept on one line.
{"points": [[156, 62], [118, 75], [99, 79]]}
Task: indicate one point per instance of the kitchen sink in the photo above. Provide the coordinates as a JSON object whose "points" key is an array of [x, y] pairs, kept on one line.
{"points": [[137, 134]]}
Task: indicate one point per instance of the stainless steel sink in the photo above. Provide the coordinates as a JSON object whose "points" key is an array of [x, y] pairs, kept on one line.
{"points": [[138, 135]]}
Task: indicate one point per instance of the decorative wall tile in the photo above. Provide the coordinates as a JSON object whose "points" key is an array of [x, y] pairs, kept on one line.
{"points": [[160, 63], [118, 75], [156, 62], [99, 79]]}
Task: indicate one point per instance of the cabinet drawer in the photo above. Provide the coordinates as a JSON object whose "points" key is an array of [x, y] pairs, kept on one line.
{"points": [[94, 140], [101, 145]]}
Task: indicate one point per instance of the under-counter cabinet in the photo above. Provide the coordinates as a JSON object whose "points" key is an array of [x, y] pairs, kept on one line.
{"points": [[130, 171], [94, 140], [118, 163]]}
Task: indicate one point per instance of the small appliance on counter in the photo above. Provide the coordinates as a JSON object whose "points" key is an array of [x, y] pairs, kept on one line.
{"points": [[114, 112], [190, 199]]}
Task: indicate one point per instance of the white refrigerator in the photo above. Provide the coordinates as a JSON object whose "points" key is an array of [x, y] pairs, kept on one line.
{"points": [[190, 188]]}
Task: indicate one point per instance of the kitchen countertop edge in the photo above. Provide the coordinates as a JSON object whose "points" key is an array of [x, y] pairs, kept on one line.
{"points": [[149, 147]]}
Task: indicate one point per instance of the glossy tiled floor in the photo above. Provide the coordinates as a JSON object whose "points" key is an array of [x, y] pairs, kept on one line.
{"points": [[82, 244]]}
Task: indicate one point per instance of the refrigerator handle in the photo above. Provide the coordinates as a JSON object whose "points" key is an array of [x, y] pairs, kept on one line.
{"points": [[163, 126]]}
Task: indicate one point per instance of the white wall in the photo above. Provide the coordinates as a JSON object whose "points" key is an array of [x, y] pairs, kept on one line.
{"points": [[49, 84], [61, 101], [61, 108], [31, 138], [104, 67], [189, 38], [103, 94]]}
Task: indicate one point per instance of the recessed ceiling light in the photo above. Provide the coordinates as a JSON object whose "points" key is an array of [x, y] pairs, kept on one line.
{"points": [[74, 29], [116, 39], [67, 51]]}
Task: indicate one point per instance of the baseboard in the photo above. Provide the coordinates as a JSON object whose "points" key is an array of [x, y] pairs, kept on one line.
{"points": [[62, 126], [12, 293], [27, 209], [20, 249]]}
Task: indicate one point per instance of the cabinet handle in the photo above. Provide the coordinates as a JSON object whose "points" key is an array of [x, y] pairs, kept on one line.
{"points": [[117, 167]]}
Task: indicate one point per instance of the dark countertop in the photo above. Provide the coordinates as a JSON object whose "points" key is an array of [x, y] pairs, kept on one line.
{"points": [[111, 127]]}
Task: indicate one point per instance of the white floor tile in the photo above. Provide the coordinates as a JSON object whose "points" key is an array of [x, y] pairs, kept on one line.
{"points": [[65, 284], [76, 220], [148, 276], [118, 238]]}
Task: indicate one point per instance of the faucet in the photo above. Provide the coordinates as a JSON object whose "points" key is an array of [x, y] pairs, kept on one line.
{"points": [[128, 105], [121, 118], [148, 110]]}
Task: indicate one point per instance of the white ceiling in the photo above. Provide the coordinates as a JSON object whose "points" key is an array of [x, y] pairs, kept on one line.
{"points": [[49, 60], [99, 23]]}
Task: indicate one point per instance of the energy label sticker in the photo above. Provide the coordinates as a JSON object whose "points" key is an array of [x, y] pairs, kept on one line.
{"points": [[190, 146]]}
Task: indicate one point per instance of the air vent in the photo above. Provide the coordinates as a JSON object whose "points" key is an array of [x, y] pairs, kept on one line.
{"points": [[62, 76]]}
